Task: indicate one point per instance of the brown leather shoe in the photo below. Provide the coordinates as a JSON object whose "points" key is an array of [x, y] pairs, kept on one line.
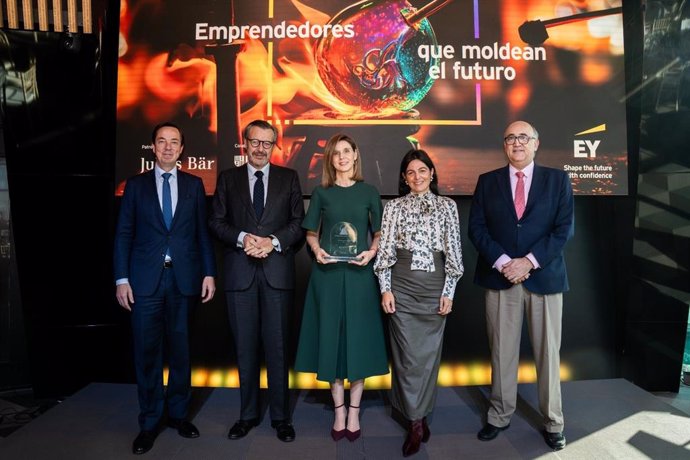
{"points": [[414, 438]]}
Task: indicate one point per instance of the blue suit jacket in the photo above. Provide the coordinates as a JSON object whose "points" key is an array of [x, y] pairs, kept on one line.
{"points": [[546, 225], [141, 237]]}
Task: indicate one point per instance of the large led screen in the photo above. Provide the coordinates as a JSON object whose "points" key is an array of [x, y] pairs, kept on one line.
{"points": [[446, 76]]}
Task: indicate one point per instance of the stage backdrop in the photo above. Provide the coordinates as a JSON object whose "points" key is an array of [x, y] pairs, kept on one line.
{"points": [[443, 75]]}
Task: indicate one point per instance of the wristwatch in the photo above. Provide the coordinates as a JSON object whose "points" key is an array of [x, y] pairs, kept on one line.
{"points": [[275, 242]]}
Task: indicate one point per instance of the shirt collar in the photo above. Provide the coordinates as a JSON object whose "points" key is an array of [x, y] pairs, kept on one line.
{"points": [[159, 172], [527, 170], [251, 170]]}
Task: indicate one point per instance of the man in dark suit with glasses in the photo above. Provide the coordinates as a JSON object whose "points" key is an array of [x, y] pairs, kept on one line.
{"points": [[257, 214]]}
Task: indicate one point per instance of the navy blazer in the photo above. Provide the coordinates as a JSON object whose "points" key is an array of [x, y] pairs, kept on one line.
{"points": [[141, 238], [232, 212], [545, 227]]}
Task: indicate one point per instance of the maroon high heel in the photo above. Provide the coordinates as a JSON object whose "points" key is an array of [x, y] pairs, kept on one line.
{"points": [[337, 435], [353, 435]]}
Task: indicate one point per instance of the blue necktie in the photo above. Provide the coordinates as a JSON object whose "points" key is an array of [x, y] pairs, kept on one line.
{"points": [[259, 194], [167, 200]]}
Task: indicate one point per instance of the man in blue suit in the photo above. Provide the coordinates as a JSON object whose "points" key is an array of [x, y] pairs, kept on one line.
{"points": [[521, 217], [257, 214], [163, 262]]}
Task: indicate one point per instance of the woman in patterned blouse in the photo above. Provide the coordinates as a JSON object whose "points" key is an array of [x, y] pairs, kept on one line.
{"points": [[418, 265]]}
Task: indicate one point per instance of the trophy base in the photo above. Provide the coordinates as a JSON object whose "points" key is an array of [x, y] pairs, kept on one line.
{"points": [[344, 258]]}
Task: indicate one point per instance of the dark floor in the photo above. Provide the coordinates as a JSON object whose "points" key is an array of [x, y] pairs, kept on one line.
{"points": [[605, 419], [18, 407]]}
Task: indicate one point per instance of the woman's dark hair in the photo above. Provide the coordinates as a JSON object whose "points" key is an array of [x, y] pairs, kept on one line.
{"points": [[421, 155]]}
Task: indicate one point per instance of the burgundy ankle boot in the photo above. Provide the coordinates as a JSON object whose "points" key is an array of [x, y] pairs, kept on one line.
{"points": [[414, 437]]}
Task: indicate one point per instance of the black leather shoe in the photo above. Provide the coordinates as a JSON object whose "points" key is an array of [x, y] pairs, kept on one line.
{"points": [[490, 432], [241, 428], [184, 428], [556, 441], [284, 431], [143, 442]]}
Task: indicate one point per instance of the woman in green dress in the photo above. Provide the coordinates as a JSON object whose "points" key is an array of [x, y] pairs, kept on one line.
{"points": [[342, 328]]}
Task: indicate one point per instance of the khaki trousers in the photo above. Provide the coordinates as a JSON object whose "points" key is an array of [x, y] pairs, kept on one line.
{"points": [[505, 310]]}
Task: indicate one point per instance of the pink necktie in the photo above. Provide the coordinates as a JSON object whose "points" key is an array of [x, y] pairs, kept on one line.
{"points": [[520, 194]]}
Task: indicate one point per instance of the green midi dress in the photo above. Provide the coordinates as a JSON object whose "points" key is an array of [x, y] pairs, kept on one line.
{"points": [[342, 336]]}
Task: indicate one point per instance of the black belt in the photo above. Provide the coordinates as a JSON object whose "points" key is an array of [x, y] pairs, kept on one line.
{"points": [[167, 264]]}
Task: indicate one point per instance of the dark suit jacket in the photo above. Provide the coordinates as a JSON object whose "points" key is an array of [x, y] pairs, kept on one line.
{"points": [[546, 225], [141, 238], [232, 212]]}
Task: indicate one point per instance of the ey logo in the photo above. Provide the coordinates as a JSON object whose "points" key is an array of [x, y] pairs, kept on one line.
{"points": [[587, 148]]}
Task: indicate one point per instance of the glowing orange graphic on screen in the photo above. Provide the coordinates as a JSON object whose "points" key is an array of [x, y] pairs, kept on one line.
{"points": [[303, 85]]}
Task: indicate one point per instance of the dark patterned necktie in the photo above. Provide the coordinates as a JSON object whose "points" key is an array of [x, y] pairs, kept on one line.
{"points": [[259, 194]]}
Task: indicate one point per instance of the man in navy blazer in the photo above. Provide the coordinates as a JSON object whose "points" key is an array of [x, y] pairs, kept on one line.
{"points": [[521, 217], [161, 269], [257, 214]]}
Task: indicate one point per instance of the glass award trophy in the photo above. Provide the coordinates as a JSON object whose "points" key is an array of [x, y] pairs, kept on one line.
{"points": [[343, 242]]}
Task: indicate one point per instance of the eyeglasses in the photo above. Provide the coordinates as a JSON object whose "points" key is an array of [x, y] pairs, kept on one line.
{"points": [[523, 139], [265, 144]]}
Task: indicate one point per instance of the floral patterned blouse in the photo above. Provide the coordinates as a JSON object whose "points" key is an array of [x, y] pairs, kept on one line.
{"points": [[422, 224]]}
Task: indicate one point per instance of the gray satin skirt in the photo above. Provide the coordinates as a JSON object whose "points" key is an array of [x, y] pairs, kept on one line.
{"points": [[416, 335]]}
